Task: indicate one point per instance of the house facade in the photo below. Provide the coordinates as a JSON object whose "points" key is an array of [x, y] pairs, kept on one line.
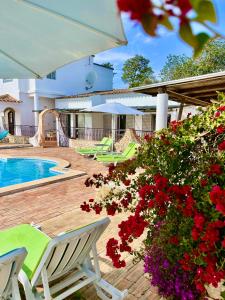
{"points": [[33, 95], [91, 125], [69, 90]]}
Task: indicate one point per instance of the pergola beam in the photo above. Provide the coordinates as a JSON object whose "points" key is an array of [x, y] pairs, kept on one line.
{"points": [[204, 90], [186, 99]]}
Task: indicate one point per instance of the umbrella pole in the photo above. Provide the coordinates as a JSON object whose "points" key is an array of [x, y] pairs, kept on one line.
{"points": [[113, 130]]}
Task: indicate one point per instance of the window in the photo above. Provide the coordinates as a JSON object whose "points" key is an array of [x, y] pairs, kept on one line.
{"points": [[52, 75], [7, 80]]}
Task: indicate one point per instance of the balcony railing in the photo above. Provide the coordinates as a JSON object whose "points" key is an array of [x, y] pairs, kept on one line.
{"points": [[98, 133], [22, 130], [82, 133]]}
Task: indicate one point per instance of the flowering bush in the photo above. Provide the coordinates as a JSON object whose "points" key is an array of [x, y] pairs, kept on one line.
{"points": [[174, 191]]}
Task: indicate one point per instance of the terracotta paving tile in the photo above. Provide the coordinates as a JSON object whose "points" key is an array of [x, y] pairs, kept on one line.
{"points": [[56, 207]]}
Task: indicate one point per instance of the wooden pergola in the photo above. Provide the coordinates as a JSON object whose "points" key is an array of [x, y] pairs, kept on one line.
{"points": [[198, 90]]}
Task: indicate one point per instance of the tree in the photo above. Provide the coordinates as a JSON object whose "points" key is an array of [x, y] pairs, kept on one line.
{"points": [[178, 66], [212, 59], [136, 70], [108, 65]]}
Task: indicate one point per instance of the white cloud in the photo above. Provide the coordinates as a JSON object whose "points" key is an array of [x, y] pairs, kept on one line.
{"points": [[163, 32], [113, 57]]}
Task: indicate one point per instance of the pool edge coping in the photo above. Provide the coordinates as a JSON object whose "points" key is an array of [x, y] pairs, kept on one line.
{"points": [[62, 166]]}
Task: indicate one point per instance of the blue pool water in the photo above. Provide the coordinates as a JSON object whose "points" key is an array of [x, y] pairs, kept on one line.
{"points": [[19, 170]]}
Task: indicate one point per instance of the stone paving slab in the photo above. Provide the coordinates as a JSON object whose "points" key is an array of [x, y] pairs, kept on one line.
{"points": [[56, 207]]}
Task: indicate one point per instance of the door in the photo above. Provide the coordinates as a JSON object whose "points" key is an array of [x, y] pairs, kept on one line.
{"points": [[121, 125], [68, 125], [11, 122]]}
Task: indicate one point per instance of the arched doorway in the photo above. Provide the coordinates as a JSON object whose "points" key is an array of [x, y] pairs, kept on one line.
{"points": [[10, 120]]}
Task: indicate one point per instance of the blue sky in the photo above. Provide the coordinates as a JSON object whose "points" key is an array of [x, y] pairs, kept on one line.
{"points": [[155, 49]]}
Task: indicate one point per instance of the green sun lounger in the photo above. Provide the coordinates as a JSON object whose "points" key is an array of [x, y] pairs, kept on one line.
{"points": [[103, 147], [128, 153], [61, 265]]}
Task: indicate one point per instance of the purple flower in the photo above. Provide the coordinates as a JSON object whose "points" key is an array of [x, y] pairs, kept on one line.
{"points": [[171, 280]]}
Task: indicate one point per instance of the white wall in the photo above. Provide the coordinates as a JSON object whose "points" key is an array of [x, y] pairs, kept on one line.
{"points": [[73, 103], [104, 78], [11, 88], [97, 120], [71, 79]]}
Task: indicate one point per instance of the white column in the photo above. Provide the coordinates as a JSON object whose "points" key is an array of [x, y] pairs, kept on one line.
{"points": [[114, 126], [88, 126], [161, 111], [57, 130], [138, 122], [36, 107], [72, 125]]}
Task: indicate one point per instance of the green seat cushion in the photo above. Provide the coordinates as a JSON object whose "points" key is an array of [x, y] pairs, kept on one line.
{"points": [[32, 239]]}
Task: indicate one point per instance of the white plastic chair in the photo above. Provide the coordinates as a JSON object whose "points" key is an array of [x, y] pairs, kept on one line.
{"points": [[10, 265], [66, 266]]}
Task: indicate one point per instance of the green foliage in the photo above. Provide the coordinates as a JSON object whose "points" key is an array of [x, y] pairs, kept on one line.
{"points": [[108, 65], [178, 66], [212, 59], [136, 70]]}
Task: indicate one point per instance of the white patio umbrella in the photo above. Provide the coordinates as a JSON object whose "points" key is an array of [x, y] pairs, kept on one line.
{"points": [[39, 36], [115, 109]]}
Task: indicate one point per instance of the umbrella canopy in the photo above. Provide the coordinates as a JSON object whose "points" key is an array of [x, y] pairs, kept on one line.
{"points": [[39, 36], [114, 108]]}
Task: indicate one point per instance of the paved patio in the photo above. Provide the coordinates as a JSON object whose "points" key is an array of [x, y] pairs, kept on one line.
{"points": [[56, 207]]}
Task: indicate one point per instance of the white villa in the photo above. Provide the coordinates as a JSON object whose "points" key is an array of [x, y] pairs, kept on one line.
{"points": [[69, 90]]}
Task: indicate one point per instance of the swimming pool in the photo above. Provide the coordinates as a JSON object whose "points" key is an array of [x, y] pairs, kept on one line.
{"points": [[20, 170]]}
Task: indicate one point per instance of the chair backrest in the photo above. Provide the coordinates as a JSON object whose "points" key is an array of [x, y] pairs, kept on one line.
{"points": [[129, 148], [104, 140], [132, 151], [69, 250], [3, 134], [10, 265], [107, 145]]}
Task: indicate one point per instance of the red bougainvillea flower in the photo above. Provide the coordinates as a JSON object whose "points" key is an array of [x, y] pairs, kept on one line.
{"points": [[204, 182], [215, 169], [97, 208], [85, 207], [164, 139], [220, 129], [112, 249], [221, 108], [137, 9], [147, 137], [195, 234], [160, 182], [223, 243], [199, 221], [186, 262], [217, 196], [184, 5], [174, 240], [221, 146], [126, 182], [174, 125], [217, 114], [112, 208]]}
